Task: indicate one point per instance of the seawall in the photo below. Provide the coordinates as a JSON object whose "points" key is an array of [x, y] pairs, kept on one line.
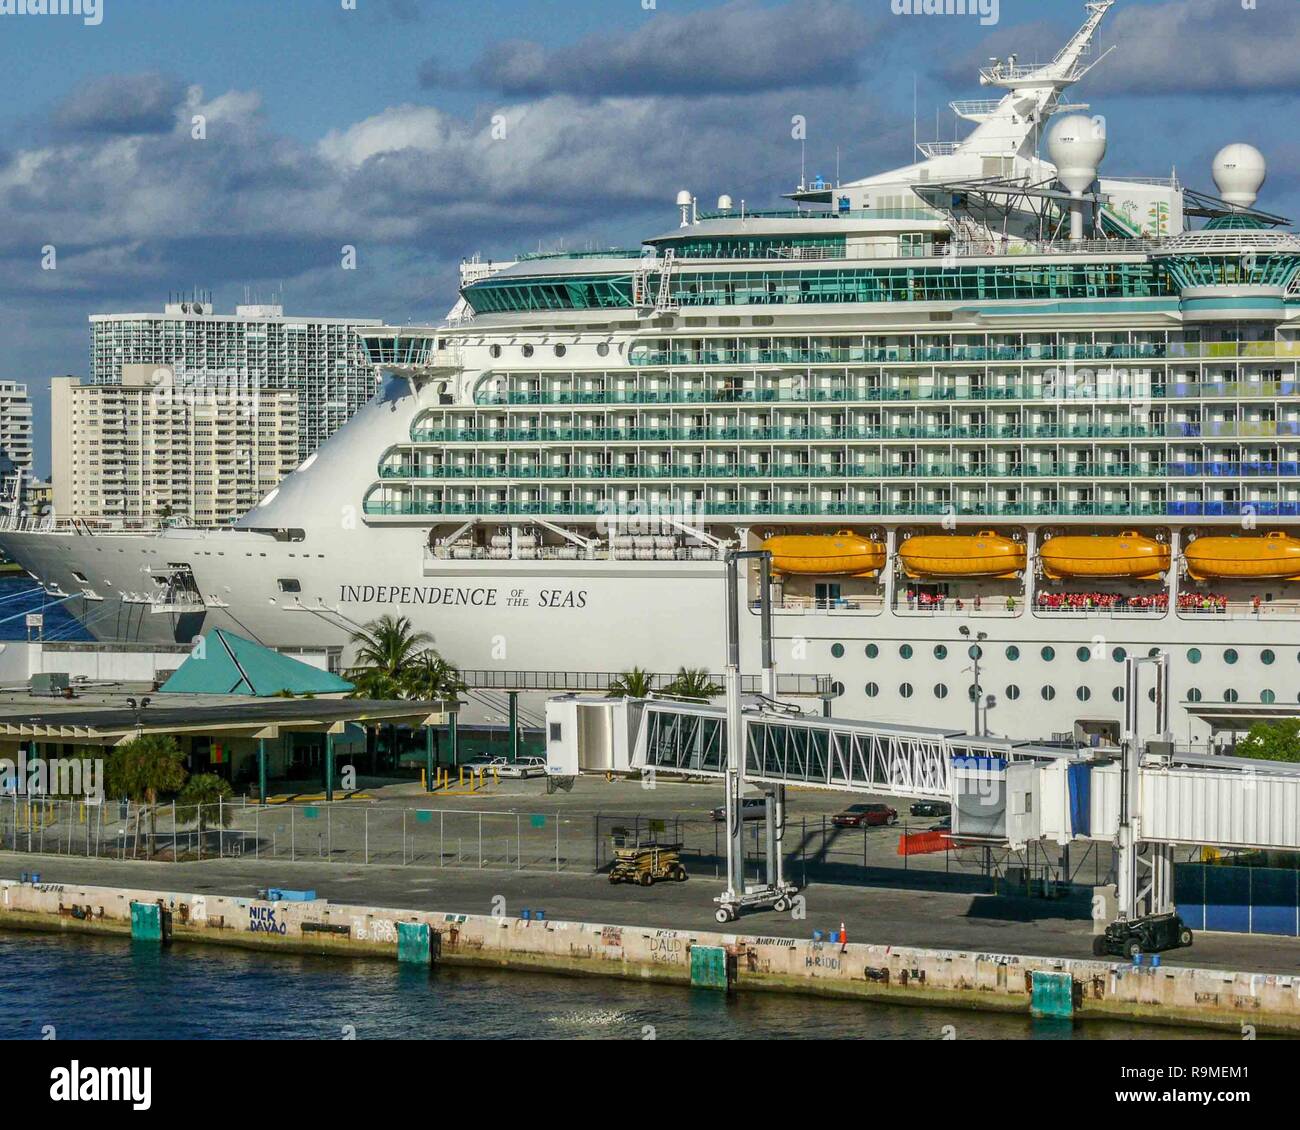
{"points": [[897, 975]]}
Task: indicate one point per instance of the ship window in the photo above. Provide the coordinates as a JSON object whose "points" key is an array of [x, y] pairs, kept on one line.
{"points": [[557, 731], [1119, 655], [871, 689], [1049, 693], [1013, 653], [975, 651], [905, 690], [1117, 693], [837, 689], [837, 650], [1267, 698], [495, 351], [528, 350], [940, 652], [1049, 653], [1230, 695], [1266, 657], [1013, 692], [81, 577], [905, 651], [602, 350], [561, 350], [1194, 695], [1193, 655], [872, 651], [289, 584], [940, 690], [1153, 652], [1230, 656], [1083, 694]]}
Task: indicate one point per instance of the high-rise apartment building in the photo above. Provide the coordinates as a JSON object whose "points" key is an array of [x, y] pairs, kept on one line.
{"points": [[321, 360], [153, 447], [15, 426]]}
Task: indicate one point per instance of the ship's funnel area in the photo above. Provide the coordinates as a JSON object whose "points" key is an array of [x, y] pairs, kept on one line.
{"points": [[1239, 172], [1077, 145]]}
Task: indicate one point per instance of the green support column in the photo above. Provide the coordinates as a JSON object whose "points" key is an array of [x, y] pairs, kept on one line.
{"points": [[428, 759], [453, 741], [329, 767], [514, 726], [261, 770]]}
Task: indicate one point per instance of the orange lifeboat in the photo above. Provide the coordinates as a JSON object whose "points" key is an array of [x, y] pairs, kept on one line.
{"points": [[1274, 557], [986, 554], [1127, 556], [841, 554]]}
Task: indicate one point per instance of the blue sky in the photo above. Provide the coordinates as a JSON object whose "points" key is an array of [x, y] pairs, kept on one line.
{"points": [[373, 127]]}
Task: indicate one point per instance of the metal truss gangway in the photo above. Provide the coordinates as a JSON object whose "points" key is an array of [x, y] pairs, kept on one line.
{"points": [[599, 682]]}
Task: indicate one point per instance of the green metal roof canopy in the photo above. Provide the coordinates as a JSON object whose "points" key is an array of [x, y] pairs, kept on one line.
{"points": [[229, 664]]}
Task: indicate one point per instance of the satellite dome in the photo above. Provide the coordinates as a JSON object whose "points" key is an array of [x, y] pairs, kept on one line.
{"points": [[1077, 144], [1240, 171], [684, 198], [724, 203]]}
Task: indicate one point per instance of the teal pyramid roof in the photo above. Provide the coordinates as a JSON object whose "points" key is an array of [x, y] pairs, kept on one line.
{"points": [[230, 664]]}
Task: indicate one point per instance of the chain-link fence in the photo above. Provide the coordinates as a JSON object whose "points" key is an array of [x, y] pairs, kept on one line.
{"points": [[342, 832]]}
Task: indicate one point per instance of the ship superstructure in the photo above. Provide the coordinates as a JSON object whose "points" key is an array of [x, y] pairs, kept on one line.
{"points": [[1000, 418]]}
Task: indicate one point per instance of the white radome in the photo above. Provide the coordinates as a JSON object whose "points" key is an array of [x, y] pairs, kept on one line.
{"points": [[1077, 144], [1240, 171]]}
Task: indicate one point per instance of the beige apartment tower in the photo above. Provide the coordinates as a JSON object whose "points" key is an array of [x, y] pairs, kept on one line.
{"points": [[154, 449]]}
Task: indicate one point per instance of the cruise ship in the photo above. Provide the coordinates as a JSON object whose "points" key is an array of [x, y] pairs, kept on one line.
{"points": [[1002, 419]]}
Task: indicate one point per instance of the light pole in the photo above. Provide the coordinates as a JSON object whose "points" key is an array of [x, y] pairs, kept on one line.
{"points": [[975, 651]]}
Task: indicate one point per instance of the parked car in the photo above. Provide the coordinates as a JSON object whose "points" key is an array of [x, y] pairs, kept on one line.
{"points": [[524, 767], [944, 825], [931, 808], [751, 808], [865, 816], [483, 762]]}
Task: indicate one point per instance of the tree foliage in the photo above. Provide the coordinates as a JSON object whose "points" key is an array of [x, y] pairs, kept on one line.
{"points": [[693, 683], [1272, 741], [394, 661], [201, 800], [144, 768], [635, 683]]}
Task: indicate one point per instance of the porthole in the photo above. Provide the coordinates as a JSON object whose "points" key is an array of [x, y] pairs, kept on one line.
{"points": [[602, 350], [1083, 694], [1267, 698], [975, 651], [940, 652], [940, 690], [1154, 652], [1267, 657], [527, 351], [1117, 693], [561, 350], [905, 651], [905, 690], [1119, 655], [1048, 654], [494, 351], [1013, 692], [1083, 654], [872, 651], [1049, 693], [1013, 653], [837, 650], [1193, 655], [1230, 695], [837, 689], [1230, 655], [871, 690], [1193, 695]]}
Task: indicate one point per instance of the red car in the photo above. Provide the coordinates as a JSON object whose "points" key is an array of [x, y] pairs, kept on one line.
{"points": [[865, 816]]}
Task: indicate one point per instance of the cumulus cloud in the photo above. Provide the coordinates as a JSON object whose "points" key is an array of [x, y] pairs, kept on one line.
{"points": [[121, 104], [736, 48]]}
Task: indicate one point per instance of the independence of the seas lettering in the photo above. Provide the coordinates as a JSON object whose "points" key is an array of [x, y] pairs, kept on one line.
{"points": [[453, 597]]}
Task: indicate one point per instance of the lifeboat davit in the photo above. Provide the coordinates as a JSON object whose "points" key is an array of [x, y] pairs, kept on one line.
{"points": [[985, 554], [1274, 557], [841, 554], [1129, 556]]}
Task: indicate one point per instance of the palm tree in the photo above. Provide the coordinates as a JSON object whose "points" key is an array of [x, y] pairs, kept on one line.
{"points": [[632, 684], [431, 677], [143, 768], [387, 649], [693, 683], [201, 800]]}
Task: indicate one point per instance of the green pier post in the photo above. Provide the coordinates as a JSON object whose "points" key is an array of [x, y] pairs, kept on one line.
{"points": [[452, 740], [329, 768], [428, 759], [261, 770], [514, 725]]}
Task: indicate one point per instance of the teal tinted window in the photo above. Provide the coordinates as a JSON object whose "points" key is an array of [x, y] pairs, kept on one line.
{"points": [[1048, 653], [1230, 655], [837, 650], [1267, 657], [1013, 653], [905, 651], [1193, 655], [1083, 654], [940, 652], [872, 651]]}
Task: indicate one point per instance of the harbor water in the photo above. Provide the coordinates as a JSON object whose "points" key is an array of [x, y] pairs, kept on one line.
{"points": [[19, 595], [68, 987]]}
